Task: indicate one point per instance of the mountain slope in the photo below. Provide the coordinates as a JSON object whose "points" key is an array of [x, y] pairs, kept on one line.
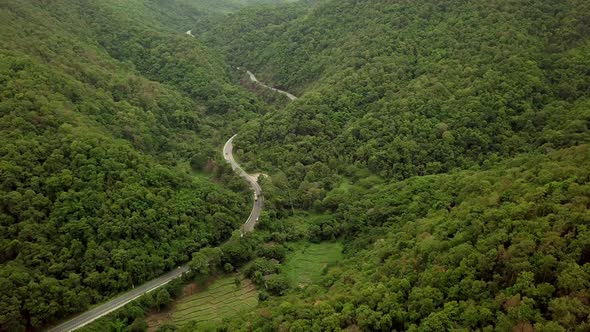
{"points": [[502, 248], [444, 142], [404, 89], [95, 195]]}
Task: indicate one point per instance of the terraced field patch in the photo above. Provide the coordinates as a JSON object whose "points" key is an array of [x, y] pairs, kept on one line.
{"points": [[220, 300], [305, 265]]}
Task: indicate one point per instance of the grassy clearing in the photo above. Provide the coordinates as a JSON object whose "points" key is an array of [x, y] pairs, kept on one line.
{"points": [[307, 262], [345, 185], [220, 300]]}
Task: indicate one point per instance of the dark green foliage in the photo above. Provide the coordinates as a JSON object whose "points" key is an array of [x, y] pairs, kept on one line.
{"points": [[474, 249], [402, 89], [325, 229], [200, 264], [228, 268], [206, 261], [275, 251], [94, 192], [139, 325], [199, 161], [237, 250], [276, 284], [445, 143], [262, 296], [162, 299], [167, 328], [262, 265]]}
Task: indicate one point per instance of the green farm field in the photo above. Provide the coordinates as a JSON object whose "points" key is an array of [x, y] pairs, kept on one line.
{"points": [[306, 263], [220, 300]]}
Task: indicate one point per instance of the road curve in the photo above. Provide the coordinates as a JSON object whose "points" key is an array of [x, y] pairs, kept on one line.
{"points": [[121, 300], [248, 226], [255, 80], [104, 309]]}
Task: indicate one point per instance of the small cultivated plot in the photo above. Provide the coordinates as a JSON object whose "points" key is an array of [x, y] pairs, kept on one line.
{"points": [[222, 299], [306, 264]]}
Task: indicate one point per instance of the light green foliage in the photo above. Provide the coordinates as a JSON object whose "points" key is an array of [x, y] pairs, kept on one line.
{"points": [[468, 250], [461, 129], [442, 143], [307, 262], [221, 299], [205, 261], [406, 89], [92, 201]]}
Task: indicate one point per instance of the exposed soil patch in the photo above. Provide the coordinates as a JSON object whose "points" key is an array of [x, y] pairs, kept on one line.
{"points": [[156, 319]]}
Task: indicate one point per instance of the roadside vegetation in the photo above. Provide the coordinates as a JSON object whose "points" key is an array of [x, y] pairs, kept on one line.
{"points": [[308, 262], [434, 174], [224, 298], [101, 109], [445, 144]]}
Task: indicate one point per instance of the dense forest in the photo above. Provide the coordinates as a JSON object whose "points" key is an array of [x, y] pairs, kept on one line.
{"points": [[502, 248], [445, 144], [405, 89], [106, 117]]}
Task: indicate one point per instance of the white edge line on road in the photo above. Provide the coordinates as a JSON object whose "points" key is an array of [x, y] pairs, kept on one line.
{"points": [[253, 183], [122, 304], [243, 174]]}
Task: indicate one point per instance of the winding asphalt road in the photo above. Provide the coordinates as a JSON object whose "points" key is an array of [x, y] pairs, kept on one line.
{"points": [[255, 80], [121, 300], [252, 179]]}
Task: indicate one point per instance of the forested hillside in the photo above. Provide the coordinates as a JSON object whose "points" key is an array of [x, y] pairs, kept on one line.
{"points": [[501, 248], [103, 106], [446, 143], [404, 89]]}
